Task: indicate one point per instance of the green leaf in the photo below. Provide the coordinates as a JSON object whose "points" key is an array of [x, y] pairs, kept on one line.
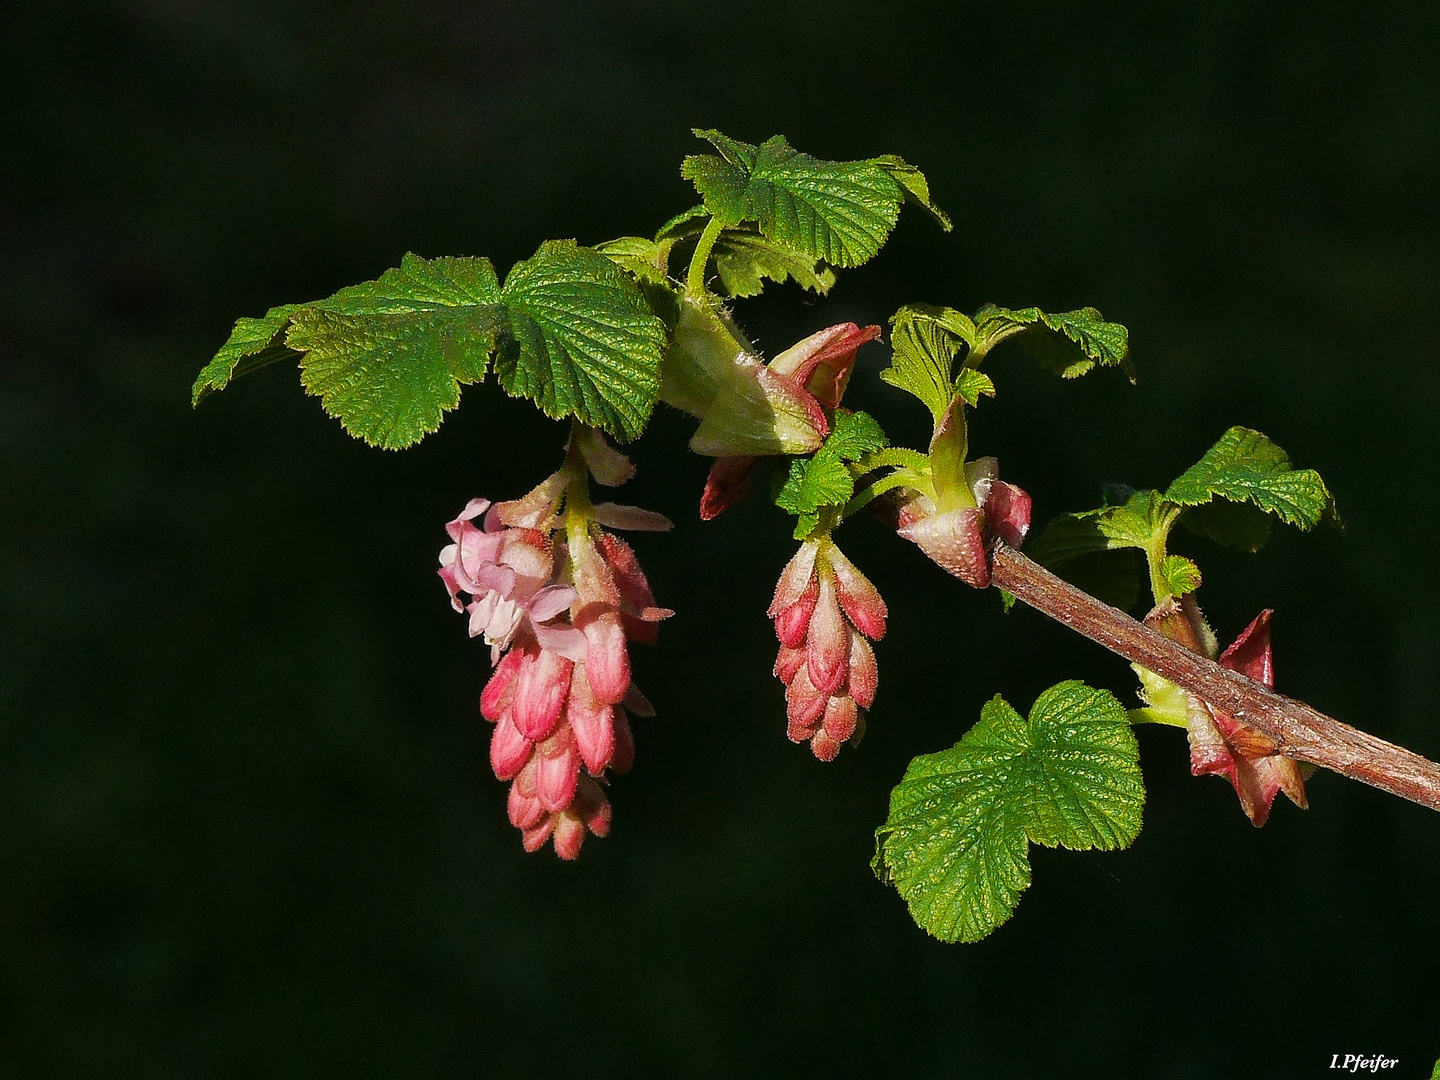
{"points": [[744, 259], [956, 841], [915, 186], [855, 435], [387, 357], [838, 212], [822, 480], [582, 342], [1246, 467], [1136, 523], [1070, 343], [971, 383], [644, 259], [1180, 575], [926, 340], [253, 344]]}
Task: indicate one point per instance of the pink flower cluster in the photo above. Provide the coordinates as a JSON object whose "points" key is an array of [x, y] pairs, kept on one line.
{"points": [[557, 615], [825, 610]]}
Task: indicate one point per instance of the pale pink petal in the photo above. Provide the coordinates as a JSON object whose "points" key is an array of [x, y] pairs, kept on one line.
{"points": [[860, 599], [827, 645], [473, 509], [799, 572], [503, 623], [550, 601], [632, 518], [540, 690], [509, 750], [481, 611], [802, 730], [447, 575], [530, 554], [564, 640]]}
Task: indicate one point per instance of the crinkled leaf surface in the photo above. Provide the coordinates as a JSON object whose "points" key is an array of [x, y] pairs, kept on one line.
{"points": [[854, 436], [253, 344], [1069, 343], [1180, 574], [569, 330], [926, 340], [1246, 467], [825, 479], [970, 384], [582, 340], [955, 844], [838, 212], [822, 480]]}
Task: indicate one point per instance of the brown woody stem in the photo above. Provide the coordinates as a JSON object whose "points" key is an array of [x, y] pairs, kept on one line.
{"points": [[1297, 730]]}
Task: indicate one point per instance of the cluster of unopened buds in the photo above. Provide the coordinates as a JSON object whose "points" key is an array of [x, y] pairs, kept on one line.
{"points": [[825, 610], [558, 600]]}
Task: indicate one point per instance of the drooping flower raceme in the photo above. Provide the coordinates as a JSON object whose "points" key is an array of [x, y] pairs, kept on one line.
{"points": [[826, 613], [557, 608]]}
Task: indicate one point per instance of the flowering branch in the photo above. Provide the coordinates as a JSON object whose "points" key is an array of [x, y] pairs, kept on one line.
{"points": [[1297, 730]]}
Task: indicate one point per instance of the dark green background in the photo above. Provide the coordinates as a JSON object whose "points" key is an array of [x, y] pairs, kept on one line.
{"points": [[248, 824]]}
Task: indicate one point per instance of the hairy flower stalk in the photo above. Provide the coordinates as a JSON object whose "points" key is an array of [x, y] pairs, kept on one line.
{"points": [[826, 613], [558, 598]]}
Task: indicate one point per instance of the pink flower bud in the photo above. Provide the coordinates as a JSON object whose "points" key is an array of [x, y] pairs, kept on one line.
{"points": [[824, 608], [541, 686], [509, 750], [557, 769]]}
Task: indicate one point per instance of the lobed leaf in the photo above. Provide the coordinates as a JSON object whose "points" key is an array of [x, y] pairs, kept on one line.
{"points": [[1070, 343], [1134, 523], [1246, 467], [838, 212], [1180, 574], [569, 330], [956, 841], [822, 480]]}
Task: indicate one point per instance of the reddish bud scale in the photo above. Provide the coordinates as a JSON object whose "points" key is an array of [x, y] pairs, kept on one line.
{"points": [[824, 611]]}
